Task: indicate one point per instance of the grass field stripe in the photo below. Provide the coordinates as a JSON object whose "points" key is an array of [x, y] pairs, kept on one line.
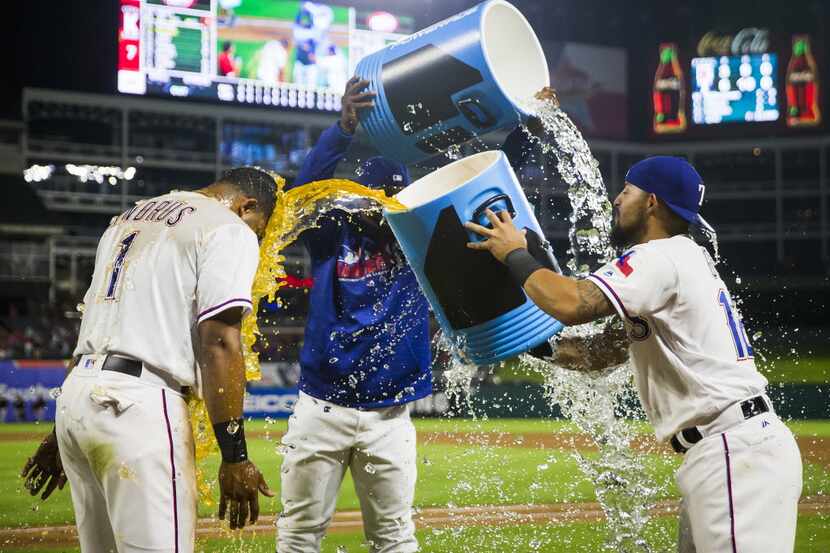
{"points": [[729, 487], [172, 472]]}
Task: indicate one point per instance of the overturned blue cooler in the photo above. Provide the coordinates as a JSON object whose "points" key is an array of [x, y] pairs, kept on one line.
{"points": [[479, 306], [460, 78]]}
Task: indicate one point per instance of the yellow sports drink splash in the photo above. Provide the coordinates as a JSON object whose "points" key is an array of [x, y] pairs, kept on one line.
{"points": [[295, 211]]}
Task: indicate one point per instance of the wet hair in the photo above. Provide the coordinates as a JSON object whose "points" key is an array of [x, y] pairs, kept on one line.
{"points": [[226, 46], [253, 183]]}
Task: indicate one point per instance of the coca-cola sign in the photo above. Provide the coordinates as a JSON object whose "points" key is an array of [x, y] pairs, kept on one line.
{"points": [[750, 40]]}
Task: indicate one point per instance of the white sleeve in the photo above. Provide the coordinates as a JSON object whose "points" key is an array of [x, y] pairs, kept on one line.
{"points": [[639, 282], [227, 263]]}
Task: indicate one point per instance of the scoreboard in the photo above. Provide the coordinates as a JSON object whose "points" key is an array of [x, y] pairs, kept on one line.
{"points": [[287, 53], [731, 89]]}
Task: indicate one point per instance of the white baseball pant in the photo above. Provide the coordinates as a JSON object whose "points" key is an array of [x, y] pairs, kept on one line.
{"points": [[740, 489], [377, 445], [127, 449]]}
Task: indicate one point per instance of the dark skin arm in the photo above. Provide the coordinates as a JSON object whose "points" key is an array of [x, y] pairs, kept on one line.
{"points": [[572, 301], [45, 468], [354, 98], [223, 383]]}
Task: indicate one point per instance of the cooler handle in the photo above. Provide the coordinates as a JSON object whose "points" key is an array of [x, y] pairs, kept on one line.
{"points": [[478, 214], [476, 113]]}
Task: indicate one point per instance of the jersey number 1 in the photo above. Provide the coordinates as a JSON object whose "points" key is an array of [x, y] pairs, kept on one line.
{"points": [[736, 327], [118, 264]]}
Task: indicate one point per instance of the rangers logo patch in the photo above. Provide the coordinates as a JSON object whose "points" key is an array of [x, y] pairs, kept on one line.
{"points": [[622, 264]]}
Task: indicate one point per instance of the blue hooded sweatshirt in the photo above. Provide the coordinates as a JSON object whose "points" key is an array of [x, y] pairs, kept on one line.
{"points": [[367, 336]]}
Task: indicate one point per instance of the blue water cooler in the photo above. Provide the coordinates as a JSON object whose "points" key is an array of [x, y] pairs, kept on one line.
{"points": [[460, 78], [473, 296]]}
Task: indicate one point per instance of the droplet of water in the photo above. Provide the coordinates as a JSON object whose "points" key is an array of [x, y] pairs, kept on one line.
{"points": [[333, 360], [233, 427], [80, 307], [370, 468], [55, 393]]}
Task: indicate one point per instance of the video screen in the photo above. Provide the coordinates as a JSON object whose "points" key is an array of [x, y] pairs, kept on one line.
{"points": [[730, 89], [283, 53]]}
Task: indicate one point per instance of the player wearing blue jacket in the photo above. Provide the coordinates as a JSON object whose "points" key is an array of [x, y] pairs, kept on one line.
{"points": [[364, 359]]}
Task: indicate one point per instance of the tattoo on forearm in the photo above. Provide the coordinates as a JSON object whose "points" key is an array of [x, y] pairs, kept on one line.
{"points": [[592, 302]]}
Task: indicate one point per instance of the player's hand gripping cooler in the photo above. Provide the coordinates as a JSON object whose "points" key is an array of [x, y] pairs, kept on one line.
{"points": [[475, 300], [460, 78]]}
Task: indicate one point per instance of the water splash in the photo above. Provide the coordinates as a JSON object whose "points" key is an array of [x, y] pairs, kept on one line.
{"points": [[590, 221], [295, 211], [597, 402]]}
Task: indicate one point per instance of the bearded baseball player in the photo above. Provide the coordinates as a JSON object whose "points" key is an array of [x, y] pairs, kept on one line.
{"points": [[741, 476], [172, 281]]}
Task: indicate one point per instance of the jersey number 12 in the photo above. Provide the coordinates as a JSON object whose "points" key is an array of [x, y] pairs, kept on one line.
{"points": [[736, 327]]}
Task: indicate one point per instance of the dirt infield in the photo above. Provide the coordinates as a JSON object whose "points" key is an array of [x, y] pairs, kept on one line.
{"points": [[813, 450], [433, 517]]}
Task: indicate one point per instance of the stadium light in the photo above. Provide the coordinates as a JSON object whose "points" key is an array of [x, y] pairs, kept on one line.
{"points": [[38, 173], [97, 173]]}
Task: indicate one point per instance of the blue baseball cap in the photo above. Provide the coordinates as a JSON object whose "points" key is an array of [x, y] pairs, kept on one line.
{"points": [[674, 181], [381, 172]]}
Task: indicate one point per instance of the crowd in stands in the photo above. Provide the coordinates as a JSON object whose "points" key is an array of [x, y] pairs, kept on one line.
{"points": [[39, 332]]}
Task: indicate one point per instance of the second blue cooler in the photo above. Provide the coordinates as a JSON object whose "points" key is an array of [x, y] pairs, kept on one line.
{"points": [[479, 306]]}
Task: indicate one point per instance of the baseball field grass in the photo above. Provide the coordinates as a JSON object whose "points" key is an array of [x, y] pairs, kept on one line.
{"points": [[777, 367], [461, 464]]}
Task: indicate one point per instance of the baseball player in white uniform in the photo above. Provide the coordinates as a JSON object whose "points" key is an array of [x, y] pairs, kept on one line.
{"points": [[172, 280], [741, 476]]}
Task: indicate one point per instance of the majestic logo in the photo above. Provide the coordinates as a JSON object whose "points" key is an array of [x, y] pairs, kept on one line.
{"points": [[622, 264]]}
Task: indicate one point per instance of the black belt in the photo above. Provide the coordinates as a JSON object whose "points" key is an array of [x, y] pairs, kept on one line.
{"points": [[750, 407], [122, 365], [130, 367]]}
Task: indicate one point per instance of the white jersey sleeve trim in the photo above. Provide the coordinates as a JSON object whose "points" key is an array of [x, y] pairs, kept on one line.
{"points": [[612, 296], [245, 304]]}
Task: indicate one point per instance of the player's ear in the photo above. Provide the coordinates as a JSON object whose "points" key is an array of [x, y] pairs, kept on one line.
{"points": [[248, 205], [652, 203]]}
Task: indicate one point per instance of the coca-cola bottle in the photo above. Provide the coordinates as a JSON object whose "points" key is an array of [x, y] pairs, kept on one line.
{"points": [[802, 85], [669, 94]]}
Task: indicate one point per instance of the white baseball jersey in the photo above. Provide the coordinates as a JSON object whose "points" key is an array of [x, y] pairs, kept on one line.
{"points": [[689, 349], [162, 267]]}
